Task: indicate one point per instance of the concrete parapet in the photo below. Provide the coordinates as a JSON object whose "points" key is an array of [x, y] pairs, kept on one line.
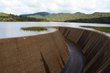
{"points": [[45, 53], [95, 46]]}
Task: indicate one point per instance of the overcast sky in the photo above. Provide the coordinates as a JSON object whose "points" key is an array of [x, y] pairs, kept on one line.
{"points": [[54, 6]]}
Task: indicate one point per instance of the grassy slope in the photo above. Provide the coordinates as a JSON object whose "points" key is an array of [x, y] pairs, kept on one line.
{"points": [[4, 14], [104, 29]]}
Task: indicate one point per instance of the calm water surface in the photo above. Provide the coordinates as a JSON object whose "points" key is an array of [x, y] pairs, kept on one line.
{"points": [[13, 29]]}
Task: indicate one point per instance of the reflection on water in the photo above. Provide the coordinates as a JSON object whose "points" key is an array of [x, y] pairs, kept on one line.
{"points": [[12, 29]]}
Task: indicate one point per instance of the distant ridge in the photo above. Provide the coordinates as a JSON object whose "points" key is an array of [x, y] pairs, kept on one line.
{"points": [[97, 17], [38, 13]]}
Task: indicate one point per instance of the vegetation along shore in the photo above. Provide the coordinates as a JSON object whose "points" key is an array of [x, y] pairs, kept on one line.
{"points": [[34, 28], [104, 29]]}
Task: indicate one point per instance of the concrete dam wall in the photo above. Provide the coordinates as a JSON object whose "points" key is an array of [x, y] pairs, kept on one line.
{"points": [[45, 53], [95, 47], [48, 53]]}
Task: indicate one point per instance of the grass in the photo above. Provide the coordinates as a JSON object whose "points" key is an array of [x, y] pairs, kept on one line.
{"points": [[104, 29], [34, 28], [4, 14]]}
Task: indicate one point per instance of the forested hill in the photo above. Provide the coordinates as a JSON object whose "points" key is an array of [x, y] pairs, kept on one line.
{"points": [[61, 17], [92, 20], [11, 17]]}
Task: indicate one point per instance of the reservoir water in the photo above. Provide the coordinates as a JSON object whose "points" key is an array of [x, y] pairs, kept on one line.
{"points": [[13, 29]]}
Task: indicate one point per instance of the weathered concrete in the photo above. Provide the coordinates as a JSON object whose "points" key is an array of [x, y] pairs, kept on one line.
{"points": [[95, 46], [45, 53]]}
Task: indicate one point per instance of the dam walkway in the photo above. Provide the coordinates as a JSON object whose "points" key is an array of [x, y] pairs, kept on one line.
{"points": [[75, 63]]}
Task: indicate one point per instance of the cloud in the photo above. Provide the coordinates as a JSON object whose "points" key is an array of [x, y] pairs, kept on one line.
{"points": [[71, 6]]}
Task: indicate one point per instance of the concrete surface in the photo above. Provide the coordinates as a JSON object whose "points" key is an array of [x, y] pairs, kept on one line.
{"points": [[45, 53], [48, 53], [75, 63], [95, 46]]}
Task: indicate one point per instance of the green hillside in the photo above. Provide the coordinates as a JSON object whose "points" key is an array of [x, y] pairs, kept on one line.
{"points": [[4, 14], [92, 20], [11, 17], [60, 17]]}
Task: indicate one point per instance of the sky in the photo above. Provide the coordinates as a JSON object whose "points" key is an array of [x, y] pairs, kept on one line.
{"points": [[54, 6]]}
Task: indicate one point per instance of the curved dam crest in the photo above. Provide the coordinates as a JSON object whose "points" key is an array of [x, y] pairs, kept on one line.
{"points": [[48, 53]]}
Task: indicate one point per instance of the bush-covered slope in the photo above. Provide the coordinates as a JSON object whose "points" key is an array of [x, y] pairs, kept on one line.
{"points": [[11, 17]]}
